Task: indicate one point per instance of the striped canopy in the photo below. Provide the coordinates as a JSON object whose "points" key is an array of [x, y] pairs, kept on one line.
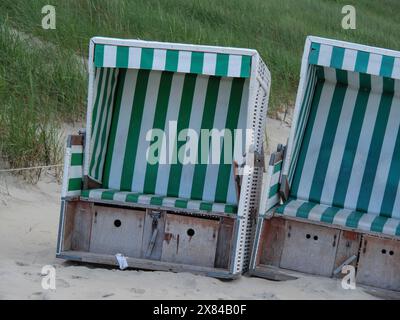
{"points": [[130, 102], [344, 151], [207, 63]]}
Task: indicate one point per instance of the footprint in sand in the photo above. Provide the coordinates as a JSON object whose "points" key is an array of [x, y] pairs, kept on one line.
{"points": [[21, 264], [107, 295]]}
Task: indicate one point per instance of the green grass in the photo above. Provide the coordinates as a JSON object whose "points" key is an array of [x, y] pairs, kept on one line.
{"points": [[36, 96], [277, 29]]}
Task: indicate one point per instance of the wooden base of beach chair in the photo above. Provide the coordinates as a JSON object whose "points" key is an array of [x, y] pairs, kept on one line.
{"points": [[379, 263], [149, 239], [321, 250], [304, 247]]}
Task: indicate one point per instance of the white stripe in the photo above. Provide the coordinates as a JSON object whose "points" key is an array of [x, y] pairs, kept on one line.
{"points": [[146, 125], [144, 199], [337, 152], [292, 207], [110, 56], [218, 207], [396, 68], [184, 61], [172, 115], [185, 186], [234, 65], [325, 55], [193, 205], [357, 171], [365, 222], [341, 217], [75, 172], [96, 194], [76, 149], [314, 146], [121, 135], [316, 212], [390, 226], [120, 196], [374, 64], [169, 202], [135, 55], [385, 159], [214, 156], [73, 193], [209, 64], [396, 206], [349, 59], [159, 59]]}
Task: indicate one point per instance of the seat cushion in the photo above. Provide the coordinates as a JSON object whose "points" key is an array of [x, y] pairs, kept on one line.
{"points": [[363, 222], [158, 201]]}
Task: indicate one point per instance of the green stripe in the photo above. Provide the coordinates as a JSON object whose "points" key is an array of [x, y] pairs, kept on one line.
{"points": [[113, 129], [134, 129], [96, 103], [206, 206], [378, 224], [362, 61], [179, 203], [304, 210], [232, 118], [353, 219], [85, 193], [197, 61], [108, 195], [230, 209], [132, 197], [76, 159], [398, 230], [156, 201], [104, 135], [337, 57], [159, 123], [387, 66], [329, 214], [99, 55], [221, 68], [327, 142], [277, 167], [122, 57], [307, 137], [392, 182], [245, 67], [273, 190], [374, 152], [207, 122], [171, 60], [146, 59], [185, 111], [95, 160], [314, 53], [74, 184], [353, 137]]}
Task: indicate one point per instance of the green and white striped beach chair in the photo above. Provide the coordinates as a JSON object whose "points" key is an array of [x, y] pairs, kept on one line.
{"points": [[127, 191], [332, 196]]}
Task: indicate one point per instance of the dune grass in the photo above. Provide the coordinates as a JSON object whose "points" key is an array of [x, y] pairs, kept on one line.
{"points": [[34, 80], [35, 97]]}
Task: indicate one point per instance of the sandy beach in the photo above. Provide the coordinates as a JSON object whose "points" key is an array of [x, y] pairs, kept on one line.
{"points": [[28, 229]]}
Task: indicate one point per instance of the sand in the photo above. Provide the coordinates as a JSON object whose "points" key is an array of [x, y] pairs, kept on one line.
{"points": [[28, 229]]}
